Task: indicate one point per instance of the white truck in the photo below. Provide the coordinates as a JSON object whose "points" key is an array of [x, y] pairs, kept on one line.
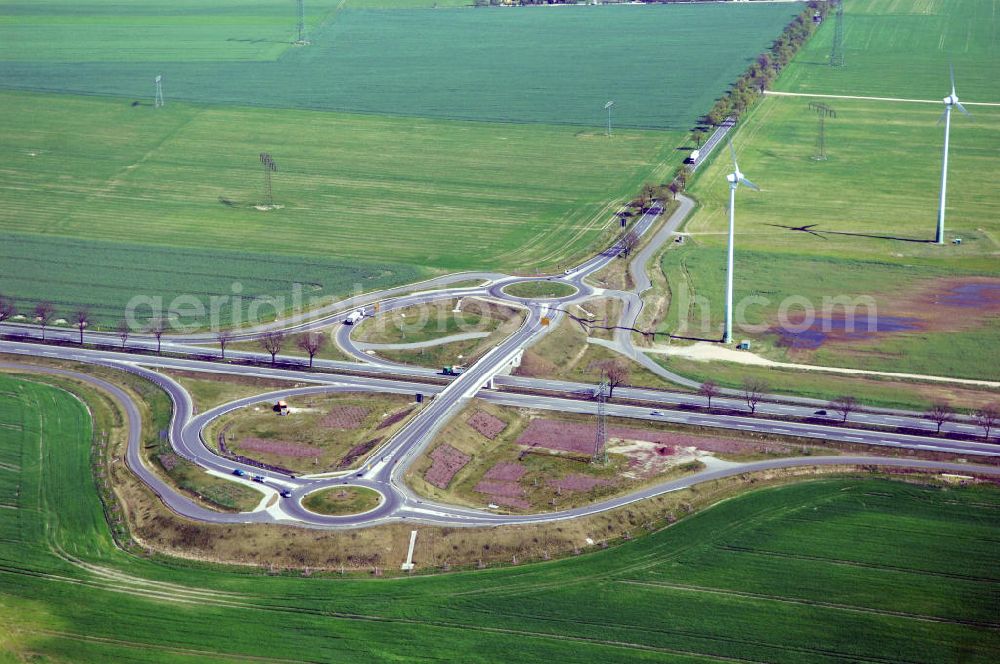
{"points": [[354, 317], [694, 156]]}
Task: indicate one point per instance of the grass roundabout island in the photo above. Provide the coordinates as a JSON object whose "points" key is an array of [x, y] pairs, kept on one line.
{"points": [[540, 290], [342, 500]]}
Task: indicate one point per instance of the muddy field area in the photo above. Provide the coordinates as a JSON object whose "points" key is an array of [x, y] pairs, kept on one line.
{"points": [[941, 305]]}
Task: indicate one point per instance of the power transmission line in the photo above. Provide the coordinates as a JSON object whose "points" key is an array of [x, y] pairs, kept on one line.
{"points": [[824, 112], [601, 443], [269, 167], [837, 50]]}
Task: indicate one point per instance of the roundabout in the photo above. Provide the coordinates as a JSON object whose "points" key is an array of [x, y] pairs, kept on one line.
{"points": [[343, 500]]}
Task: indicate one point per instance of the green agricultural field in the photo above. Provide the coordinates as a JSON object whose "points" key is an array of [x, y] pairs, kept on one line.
{"points": [[859, 224], [552, 65], [901, 48], [822, 571], [166, 201], [475, 141]]}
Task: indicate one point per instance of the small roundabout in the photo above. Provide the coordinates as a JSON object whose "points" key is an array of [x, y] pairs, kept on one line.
{"points": [[540, 289], [343, 500]]}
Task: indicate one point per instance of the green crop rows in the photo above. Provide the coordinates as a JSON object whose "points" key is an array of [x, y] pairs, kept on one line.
{"points": [[821, 571], [663, 65], [475, 139]]}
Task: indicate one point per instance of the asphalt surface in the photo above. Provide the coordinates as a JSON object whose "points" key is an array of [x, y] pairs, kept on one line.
{"points": [[385, 469]]}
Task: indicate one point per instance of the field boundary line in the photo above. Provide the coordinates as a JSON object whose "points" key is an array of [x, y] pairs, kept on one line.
{"points": [[807, 602], [775, 93]]}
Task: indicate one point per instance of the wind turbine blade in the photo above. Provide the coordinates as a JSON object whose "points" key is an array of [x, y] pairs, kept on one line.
{"points": [[943, 116], [747, 183], [951, 67], [732, 151], [959, 106]]}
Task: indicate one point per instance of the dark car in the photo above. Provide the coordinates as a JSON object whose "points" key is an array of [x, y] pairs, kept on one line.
{"points": [[285, 493], [820, 412], [238, 472], [258, 478]]}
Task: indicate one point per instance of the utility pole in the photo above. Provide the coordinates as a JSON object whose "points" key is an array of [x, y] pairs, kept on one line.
{"points": [[600, 447], [824, 112], [158, 100]]}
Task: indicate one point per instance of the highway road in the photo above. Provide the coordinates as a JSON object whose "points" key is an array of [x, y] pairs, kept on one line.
{"points": [[388, 464]]}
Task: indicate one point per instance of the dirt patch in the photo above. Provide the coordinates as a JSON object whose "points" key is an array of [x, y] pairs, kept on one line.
{"points": [[506, 489], [505, 472], [534, 365], [938, 305], [486, 424], [982, 294], [577, 482], [344, 417], [283, 448], [579, 437], [447, 462], [357, 452], [398, 416], [168, 461], [801, 335]]}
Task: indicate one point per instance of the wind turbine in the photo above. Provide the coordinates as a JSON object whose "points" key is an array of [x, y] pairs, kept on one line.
{"points": [[735, 179], [950, 102]]}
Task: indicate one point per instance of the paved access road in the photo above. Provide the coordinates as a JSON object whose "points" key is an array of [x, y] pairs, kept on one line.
{"points": [[385, 469]]}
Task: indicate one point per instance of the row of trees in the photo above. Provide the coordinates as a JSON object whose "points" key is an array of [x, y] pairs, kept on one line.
{"points": [[272, 343], [940, 413], [759, 76], [44, 313]]}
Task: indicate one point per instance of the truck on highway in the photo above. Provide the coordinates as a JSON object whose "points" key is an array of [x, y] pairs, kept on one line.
{"points": [[453, 370], [694, 156], [354, 317]]}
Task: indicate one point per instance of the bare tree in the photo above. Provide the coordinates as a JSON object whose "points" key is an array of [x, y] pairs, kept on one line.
{"points": [[272, 342], [81, 318], [44, 311], [940, 413], [123, 331], [709, 390], [616, 374], [223, 337], [629, 241], [987, 417], [157, 326], [753, 391], [311, 343], [7, 308], [845, 405]]}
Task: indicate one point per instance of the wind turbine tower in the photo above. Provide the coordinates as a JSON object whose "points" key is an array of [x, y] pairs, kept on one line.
{"points": [[158, 100], [607, 107], [302, 22], [950, 102], [735, 179]]}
